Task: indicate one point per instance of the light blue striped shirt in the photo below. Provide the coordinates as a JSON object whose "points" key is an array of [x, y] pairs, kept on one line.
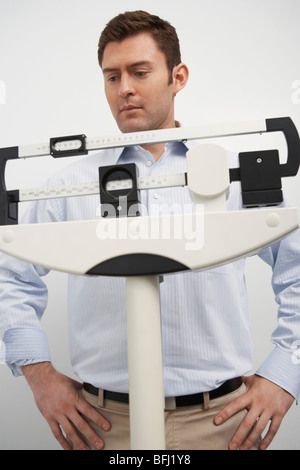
{"points": [[206, 330]]}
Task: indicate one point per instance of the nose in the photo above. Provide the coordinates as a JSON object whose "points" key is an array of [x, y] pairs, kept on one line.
{"points": [[126, 86]]}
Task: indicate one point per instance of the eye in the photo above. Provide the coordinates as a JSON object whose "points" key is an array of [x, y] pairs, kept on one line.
{"points": [[141, 74], [112, 79]]}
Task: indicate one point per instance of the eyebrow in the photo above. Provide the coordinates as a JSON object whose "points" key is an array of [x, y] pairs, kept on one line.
{"points": [[136, 64]]}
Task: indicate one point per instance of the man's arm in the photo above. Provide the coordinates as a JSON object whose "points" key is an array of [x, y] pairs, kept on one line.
{"points": [[59, 399], [23, 300], [265, 401], [271, 392]]}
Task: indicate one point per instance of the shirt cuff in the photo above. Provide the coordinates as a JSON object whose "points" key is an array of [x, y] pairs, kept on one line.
{"points": [[283, 368], [24, 346]]}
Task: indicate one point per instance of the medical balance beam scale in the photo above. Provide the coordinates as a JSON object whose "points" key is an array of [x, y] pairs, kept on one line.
{"points": [[143, 249]]}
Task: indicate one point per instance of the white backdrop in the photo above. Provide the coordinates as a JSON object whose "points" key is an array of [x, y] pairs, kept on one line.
{"points": [[243, 57]]}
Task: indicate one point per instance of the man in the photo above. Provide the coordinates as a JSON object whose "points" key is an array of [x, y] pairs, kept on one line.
{"points": [[205, 324]]}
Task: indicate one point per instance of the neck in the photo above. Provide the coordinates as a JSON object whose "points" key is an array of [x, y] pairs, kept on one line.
{"points": [[157, 150]]}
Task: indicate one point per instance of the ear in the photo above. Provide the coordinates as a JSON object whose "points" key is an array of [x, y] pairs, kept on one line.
{"points": [[180, 77]]}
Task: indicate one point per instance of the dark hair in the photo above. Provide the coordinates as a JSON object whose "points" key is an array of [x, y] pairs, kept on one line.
{"points": [[134, 22]]}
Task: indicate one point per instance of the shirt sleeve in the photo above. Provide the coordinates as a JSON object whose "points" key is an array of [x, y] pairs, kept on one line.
{"points": [[282, 366], [23, 300]]}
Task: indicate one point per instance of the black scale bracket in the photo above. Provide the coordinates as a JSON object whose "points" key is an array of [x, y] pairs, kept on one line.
{"points": [[260, 172]]}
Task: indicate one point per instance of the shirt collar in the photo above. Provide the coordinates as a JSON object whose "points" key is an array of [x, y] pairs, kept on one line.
{"points": [[113, 155]]}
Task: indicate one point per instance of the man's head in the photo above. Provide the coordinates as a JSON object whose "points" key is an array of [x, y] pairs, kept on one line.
{"points": [[142, 72], [132, 23]]}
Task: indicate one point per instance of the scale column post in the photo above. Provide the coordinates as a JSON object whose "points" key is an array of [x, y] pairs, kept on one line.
{"points": [[145, 363]]}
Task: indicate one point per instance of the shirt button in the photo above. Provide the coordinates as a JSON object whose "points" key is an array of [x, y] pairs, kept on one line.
{"points": [[149, 163], [156, 196]]}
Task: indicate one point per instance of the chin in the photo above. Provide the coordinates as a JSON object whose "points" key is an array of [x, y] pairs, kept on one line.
{"points": [[134, 126]]}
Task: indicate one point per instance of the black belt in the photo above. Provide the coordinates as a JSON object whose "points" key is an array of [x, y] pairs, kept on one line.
{"points": [[186, 400]]}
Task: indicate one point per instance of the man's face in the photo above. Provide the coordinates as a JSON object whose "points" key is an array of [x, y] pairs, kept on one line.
{"points": [[137, 84]]}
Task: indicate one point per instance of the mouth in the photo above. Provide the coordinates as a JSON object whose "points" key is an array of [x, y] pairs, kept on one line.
{"points": [[128, 108]]}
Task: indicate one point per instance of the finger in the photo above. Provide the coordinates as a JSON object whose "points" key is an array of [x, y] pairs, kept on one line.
{"points": [[73, 435], [87, 410], [255, 433], [88, 432], [274, 426], [57, 433], [231, 409], [244, 430]]}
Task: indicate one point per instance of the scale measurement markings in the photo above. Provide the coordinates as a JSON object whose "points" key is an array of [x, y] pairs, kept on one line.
{"points": [[179, 134], [88, 189]]}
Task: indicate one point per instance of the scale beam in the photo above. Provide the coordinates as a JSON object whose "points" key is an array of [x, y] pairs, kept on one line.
{"points": [[79, 144], [125, 247], [252, 172], [89, 189]]}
